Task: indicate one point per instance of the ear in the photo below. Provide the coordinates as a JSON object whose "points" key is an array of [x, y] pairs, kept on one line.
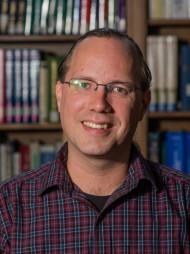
{"points": [[58, 91], [145, 103]]}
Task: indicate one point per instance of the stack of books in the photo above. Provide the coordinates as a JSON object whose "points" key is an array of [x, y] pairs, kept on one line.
{"points": [[60, 16]]}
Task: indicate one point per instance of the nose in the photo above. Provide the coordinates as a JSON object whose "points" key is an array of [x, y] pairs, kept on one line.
{"points": [[99, 100]]}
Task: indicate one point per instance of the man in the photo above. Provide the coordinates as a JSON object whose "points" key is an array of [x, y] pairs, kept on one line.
{"points": [[99, 195]]}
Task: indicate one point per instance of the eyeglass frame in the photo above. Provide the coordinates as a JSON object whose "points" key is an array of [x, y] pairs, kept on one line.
{"points": [[129, 89]]}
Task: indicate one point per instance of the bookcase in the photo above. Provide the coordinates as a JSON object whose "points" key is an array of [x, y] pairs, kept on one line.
{"points": [[139, 26], [51, 133], [171, 129]]}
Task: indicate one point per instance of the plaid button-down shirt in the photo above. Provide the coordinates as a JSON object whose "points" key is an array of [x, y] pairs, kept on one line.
{"points": [[44, 212]]}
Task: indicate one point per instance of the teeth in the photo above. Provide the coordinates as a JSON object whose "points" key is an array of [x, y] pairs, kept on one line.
{"points": [[95, 125]]}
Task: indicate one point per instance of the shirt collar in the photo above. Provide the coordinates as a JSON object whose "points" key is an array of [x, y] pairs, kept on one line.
{"points": [[57, 176]]}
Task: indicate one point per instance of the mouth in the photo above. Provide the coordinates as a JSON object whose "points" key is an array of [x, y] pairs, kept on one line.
{"points": [[99, 126]]}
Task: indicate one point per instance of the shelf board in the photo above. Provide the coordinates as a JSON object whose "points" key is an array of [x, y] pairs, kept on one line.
{"points": [[30, 127], [169, 115], [169, 22], [38, 38]]}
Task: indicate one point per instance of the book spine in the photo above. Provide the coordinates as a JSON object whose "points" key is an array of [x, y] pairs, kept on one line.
{"points": [[122, 16], [43, 97], [76, 17], [9, 63], [18, 84], [161, 58], [179, 9], [36, 17], [4, 16], [34, 84], [172, 72], [53, 113], [52, 16], [102, 21], [187, 152], [2, 86], [28, 17], [156, 9], [60, 17], [175, 153], [20, 16], [69, 17], [83, 23], [153, 65], [12, 17], [25, 86], [185, 77]]}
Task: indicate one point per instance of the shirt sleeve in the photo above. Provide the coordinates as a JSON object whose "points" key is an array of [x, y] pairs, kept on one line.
{"points": [[5, 221]]}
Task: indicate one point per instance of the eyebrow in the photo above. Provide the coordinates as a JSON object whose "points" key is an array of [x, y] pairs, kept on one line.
{"points": [[111, 81]]}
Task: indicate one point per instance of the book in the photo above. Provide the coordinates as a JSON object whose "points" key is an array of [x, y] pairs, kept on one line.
{"points": [[179, 9], [175, 150], [12, 17], [187, 152], [37, 7], [52, 17], [24, 150], [184, 82], [44, 17], [122, 16], [25, 86], [44, 93], [111, 14], [9, 77], [34, 154], [4, 16], [76, 17], [2, 86], [17, 85], [102, 12], [34, 71], [154, 146], [60, 17], [93, 15], [161, 72], [153, 65], [85, 16], [69, 17], [52, 77], [171, 81], [47, 153], [20, 16], [28, 18]]}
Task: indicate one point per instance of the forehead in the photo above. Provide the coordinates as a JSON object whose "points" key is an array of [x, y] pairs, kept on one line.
{"points": [[101, 54]]}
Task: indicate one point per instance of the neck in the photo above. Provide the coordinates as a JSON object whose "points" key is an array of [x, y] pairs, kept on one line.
{"points": [[97, 176]]}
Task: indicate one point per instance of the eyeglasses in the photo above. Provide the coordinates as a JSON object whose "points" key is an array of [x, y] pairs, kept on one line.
{"points": [[118, 88]]}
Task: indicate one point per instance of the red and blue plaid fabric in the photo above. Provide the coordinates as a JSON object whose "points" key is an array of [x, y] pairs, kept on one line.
{"points": [[44, 212]]}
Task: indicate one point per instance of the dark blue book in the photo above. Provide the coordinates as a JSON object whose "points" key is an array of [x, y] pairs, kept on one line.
{"points": [[175, 149], [187, 152], [47, 153], [185, 77]]}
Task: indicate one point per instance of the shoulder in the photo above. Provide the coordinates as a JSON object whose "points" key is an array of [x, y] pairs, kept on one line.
{"points": [[29, 179], [169, 175], [173, 184]]}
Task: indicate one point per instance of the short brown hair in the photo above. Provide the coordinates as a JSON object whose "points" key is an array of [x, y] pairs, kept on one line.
{"points": [[141, 69]]}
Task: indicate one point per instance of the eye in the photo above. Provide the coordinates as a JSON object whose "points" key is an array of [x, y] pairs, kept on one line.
{"points": [[81, 84], [120, 89]]}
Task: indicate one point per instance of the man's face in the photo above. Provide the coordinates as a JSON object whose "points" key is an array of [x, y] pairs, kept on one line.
{"points": [[97, 123]]}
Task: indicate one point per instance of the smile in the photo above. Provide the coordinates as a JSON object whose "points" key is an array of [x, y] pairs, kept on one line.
{"points": [[95, 125]]}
